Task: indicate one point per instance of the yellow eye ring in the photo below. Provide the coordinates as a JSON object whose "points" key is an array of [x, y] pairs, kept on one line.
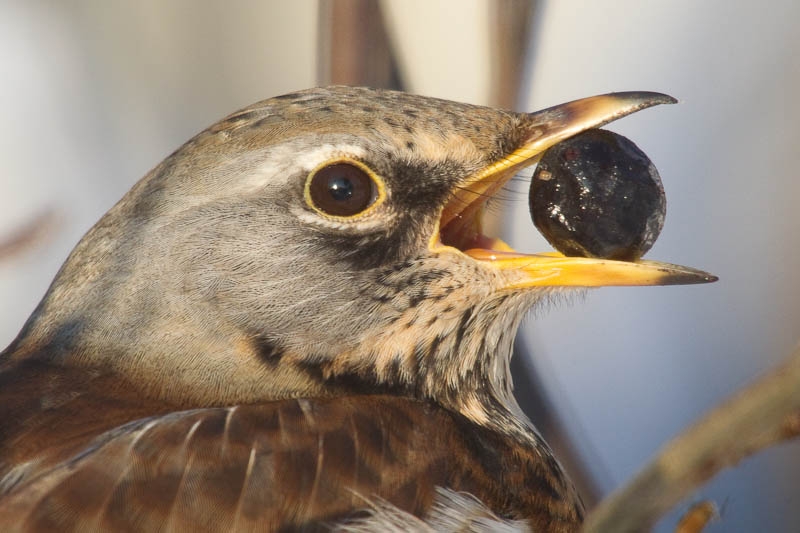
{"points": [[344, 189]]}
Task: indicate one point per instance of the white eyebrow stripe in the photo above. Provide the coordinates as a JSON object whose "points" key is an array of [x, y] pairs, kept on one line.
{"points": [[284, 159]]}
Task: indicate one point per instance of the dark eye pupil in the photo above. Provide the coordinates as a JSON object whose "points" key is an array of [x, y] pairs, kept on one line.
{"points": [[341, 189]]}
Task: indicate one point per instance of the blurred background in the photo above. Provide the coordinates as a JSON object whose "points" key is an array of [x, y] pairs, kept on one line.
{"points": [[95, 93]]}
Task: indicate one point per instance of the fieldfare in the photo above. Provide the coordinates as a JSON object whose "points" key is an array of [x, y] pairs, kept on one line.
{"points": [[295, 322]]}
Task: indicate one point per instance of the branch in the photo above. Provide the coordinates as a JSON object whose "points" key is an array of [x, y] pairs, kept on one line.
{"points": [[27, 236], [765, 413]]}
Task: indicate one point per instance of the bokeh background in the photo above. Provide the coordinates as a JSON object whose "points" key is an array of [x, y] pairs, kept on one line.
{"points": [[93, 94]]}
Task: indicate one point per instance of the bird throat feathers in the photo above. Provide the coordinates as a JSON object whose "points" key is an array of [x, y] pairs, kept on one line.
{"points": [[457, 358]]}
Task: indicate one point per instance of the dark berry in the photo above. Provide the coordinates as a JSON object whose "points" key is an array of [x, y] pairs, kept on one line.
{"points": [[598, 195]]}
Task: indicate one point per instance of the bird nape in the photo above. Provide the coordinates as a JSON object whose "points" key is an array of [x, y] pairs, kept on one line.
{"points": [[295, 322]]}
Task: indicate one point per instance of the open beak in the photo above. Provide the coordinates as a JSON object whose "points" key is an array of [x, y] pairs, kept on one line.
{"points": [[461, 228]]}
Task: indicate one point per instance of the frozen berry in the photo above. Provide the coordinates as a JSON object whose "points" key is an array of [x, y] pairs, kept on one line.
{"points": [[598, 195]]}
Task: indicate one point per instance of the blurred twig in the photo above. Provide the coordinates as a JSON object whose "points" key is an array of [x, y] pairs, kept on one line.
{"points": [[27, 236], [697, 517], [354, 48], [511, 23], [765, 413]]}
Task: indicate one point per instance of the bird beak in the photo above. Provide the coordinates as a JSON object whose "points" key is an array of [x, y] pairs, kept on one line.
{"points": [[460, 223]]}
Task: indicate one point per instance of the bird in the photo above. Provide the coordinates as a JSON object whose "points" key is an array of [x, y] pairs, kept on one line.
{"points": [[296, 323]]}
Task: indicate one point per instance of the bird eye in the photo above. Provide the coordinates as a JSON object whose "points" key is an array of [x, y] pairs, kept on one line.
{"points": [[342, 190]]}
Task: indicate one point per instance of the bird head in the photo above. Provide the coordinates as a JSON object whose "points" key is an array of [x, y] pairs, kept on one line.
{"points": [[324, 242]]}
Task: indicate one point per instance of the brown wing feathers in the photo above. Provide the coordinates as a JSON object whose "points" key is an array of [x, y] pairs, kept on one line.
{"points": [[295, 464]]}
